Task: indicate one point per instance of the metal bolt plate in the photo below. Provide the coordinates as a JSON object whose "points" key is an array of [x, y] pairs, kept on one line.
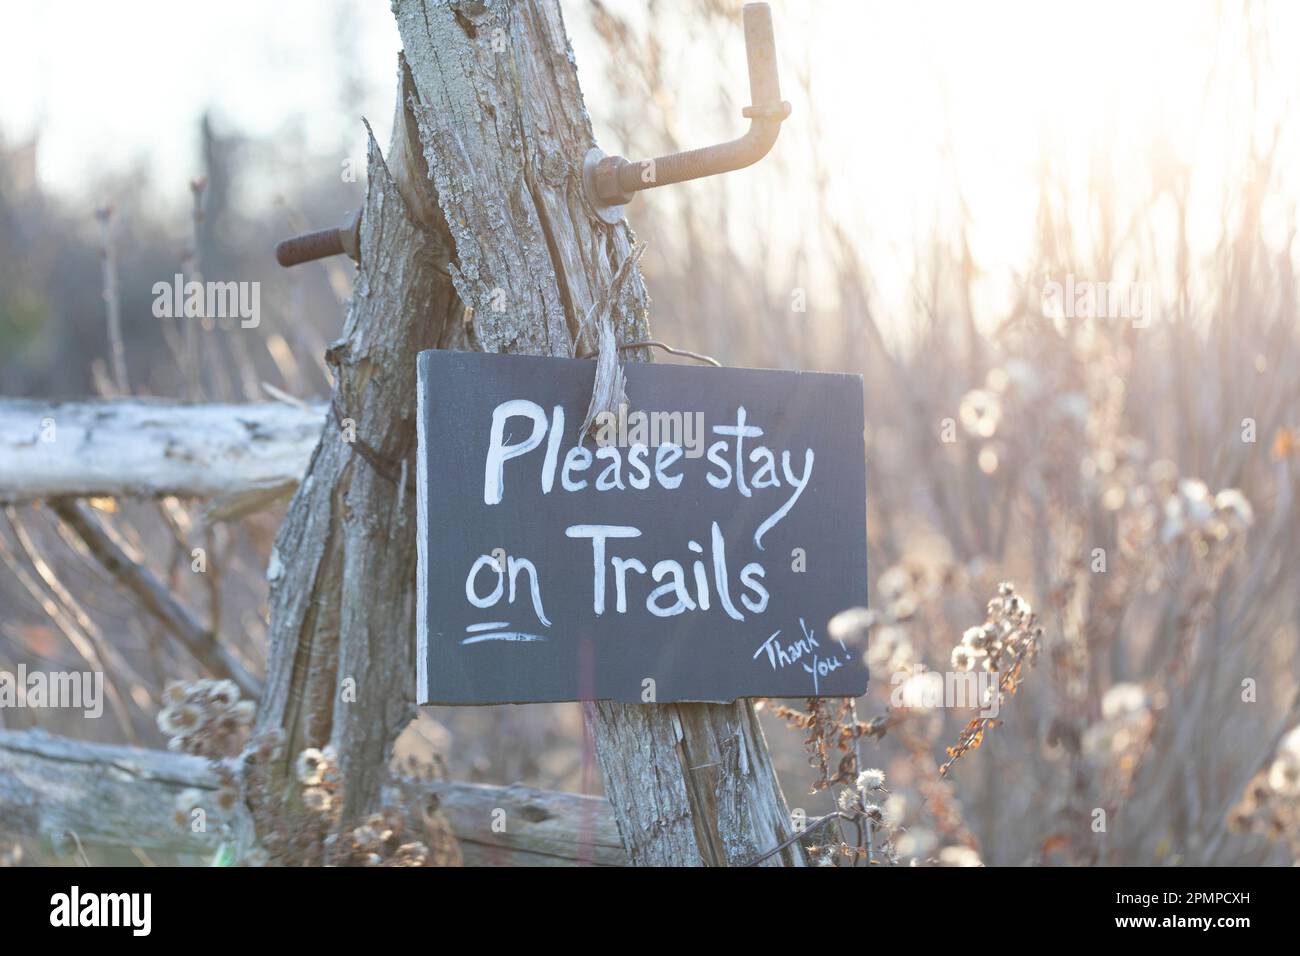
{"points": [[609, 214]]}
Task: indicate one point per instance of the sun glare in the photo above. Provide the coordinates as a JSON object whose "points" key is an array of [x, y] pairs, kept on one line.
{"points": [[962, 114]]}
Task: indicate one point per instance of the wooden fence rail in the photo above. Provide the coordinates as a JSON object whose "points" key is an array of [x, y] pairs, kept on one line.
{"points": [[126, 797], [149, 448]]}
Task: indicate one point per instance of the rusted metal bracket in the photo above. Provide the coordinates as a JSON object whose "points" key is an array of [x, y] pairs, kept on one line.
{"points": [[322, 243], [610, 182]]}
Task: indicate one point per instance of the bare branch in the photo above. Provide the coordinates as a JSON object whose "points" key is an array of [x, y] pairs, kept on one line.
{"points": [[156, 598]]}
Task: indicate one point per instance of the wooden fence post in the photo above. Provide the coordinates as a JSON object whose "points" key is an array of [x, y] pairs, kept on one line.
{"points": [[479, 211]]}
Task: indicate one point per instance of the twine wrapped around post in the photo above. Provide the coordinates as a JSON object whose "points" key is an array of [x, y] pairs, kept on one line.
{"points": [[609, 390]]}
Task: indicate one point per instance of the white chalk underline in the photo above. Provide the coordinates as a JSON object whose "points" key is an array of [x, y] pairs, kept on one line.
{"points": [[503, 636]]}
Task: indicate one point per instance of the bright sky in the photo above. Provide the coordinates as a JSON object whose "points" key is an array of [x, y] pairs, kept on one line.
{"points": [[146, 70], [896, 86]]}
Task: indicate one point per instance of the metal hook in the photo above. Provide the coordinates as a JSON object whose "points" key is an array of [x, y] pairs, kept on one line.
{"points": [[611, 181]]}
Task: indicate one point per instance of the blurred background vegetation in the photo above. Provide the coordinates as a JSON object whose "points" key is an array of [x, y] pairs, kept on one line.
{"points": [[942, 168]]}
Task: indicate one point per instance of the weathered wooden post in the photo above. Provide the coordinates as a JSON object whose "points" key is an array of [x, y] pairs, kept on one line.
{"points": [[477, 234]]}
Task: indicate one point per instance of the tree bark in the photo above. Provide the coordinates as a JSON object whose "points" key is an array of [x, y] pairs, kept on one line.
{"points": [[340, 669], [504, 130], [478, 213]]}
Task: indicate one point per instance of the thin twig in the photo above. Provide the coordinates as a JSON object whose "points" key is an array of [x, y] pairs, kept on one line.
{"points": [[112, 299], [155, 597], [81, 851], [67, 617], [654, 343], [808, 828]]}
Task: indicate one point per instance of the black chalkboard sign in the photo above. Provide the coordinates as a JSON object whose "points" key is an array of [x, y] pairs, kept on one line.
{"points": [[690, 548]]}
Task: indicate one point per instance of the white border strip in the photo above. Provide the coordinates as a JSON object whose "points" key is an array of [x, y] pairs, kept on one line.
{"points": [[421, 541]]}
